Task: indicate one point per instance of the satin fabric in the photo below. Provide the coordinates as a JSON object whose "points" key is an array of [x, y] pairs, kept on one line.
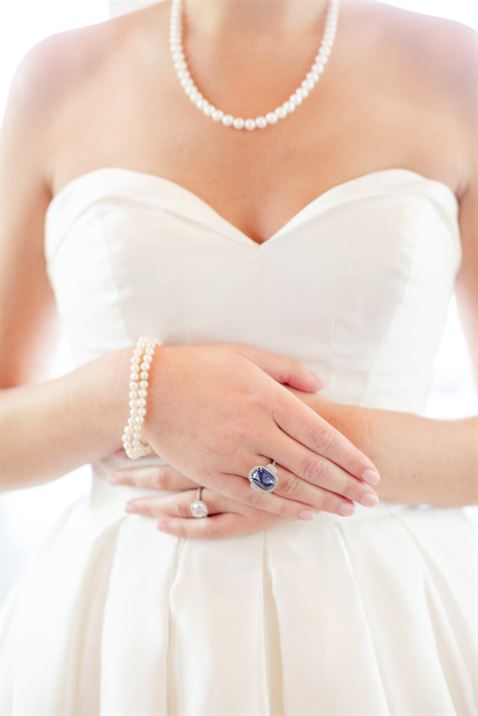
{"points": [[369, 615]]}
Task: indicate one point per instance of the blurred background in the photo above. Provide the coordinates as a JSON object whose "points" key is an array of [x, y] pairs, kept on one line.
{"points": [[26, 515]]}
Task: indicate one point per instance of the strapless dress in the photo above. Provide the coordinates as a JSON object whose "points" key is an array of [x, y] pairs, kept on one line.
{"points": [[369, 615]]}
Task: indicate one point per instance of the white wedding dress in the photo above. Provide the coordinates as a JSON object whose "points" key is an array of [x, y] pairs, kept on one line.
{"points": [[369, 615]]}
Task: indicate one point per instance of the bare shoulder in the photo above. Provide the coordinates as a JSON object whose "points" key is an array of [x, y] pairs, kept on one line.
{"points": [[447, 47], [440, 56], [54, 78], [53, 68]]}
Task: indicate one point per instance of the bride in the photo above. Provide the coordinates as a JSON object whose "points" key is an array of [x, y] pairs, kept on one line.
{"points": [[249, 218]]}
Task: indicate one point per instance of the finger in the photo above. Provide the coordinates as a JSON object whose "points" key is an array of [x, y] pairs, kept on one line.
{"points": [[160, 477], [336, 493], [308, 428], [283, 369], [179, 505], [212, 527], [238, 488]]}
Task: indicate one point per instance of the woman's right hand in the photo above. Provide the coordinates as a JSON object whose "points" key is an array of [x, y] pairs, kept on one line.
{"points": [[216, 410]]}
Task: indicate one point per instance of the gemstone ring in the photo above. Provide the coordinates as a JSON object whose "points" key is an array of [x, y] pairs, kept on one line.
{"points": [[264, 477], [198, 507]]}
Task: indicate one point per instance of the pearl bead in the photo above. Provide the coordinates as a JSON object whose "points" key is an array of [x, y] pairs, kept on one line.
{"points": [[270, 118], [138, 393]]}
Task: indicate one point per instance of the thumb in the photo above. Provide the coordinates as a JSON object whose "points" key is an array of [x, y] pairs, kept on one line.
{"points": [[284, 369]]}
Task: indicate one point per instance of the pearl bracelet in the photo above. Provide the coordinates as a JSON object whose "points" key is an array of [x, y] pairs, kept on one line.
{"points": [[138, 393]]}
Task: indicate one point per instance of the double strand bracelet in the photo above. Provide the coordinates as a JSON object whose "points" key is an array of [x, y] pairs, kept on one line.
{"points": [[138, 394]]}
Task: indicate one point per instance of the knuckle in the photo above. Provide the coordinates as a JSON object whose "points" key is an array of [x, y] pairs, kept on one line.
{"points": [[285, 509], [291, 487], [135, 480], [314, 469], [322, 437], [329, 503], [291, 367], [243, 431], [211, 530], [349, 488], [182, 509], [162, 480], [255, 498]]}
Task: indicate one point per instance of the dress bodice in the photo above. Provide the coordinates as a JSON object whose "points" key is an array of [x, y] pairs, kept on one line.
{"points": [[357, 284]]}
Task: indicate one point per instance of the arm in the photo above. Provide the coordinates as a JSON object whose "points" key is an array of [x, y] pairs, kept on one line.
{"points": [[46, 428], [421, 460], [424, 460]]}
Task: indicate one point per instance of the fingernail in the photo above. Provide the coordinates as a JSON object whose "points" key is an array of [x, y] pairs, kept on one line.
{"points": [[306, 514], [371, 476], [369, 500], [113, 479], [130, 507], [163, 526], [345, 509]]}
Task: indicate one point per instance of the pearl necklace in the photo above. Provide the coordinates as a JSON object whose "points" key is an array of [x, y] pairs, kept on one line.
{"points": [[217, 115]]}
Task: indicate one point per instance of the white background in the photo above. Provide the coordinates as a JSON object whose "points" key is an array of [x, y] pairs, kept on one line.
{"points": [[26, 514]]}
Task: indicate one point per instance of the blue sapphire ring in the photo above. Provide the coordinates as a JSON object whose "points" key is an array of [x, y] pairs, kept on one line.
{"points": [[264, 477]]}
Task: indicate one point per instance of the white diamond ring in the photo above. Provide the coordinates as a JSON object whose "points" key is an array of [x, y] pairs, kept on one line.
{"points": [[199, 507]]}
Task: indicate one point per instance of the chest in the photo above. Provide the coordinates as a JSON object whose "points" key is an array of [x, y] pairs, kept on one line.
{"points": [[350, 125]]}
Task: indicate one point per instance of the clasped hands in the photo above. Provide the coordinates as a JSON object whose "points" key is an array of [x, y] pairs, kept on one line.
{"points": [[319, 468]]}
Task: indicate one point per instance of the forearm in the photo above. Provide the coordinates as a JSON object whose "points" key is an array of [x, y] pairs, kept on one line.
{"points": [[424, 460], [48, 429], [421, 460]]}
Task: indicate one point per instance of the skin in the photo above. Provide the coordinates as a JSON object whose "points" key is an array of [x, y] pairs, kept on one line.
{"points": [[389, 114]]}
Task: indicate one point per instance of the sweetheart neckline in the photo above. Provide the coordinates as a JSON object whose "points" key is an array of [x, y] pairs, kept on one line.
{"points": [[215, 214]]}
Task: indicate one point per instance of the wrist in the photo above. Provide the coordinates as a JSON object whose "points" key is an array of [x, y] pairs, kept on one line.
{"points": [[133, 439], [353, 421]]}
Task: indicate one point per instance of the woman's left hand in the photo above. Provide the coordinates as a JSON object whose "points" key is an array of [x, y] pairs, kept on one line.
{"points": [[226, 518]]}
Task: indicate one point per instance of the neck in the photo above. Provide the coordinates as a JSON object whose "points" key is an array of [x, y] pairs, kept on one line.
{"points": [[213, 17]]}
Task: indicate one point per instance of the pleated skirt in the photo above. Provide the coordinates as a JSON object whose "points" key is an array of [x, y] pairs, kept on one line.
{"points": [[369, 615]]}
